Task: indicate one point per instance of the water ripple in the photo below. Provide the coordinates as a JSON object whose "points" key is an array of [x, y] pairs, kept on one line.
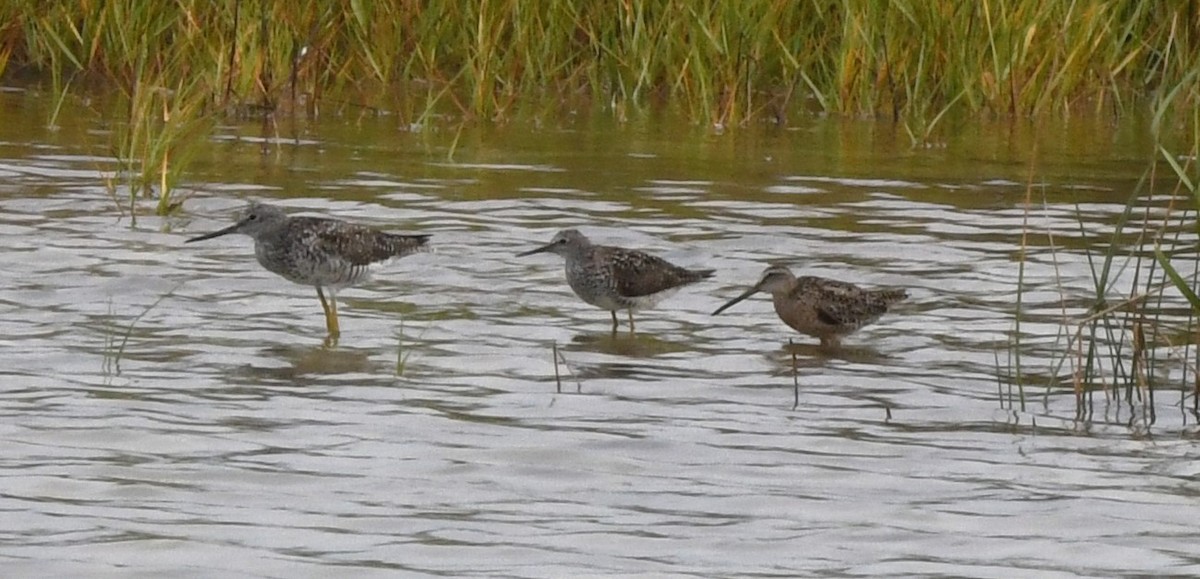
{"points": [[171, 409]]}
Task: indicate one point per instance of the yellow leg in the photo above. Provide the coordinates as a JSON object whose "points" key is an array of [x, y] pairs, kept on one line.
{"points": [[330, 342], [324, 305], [331, 319], [631, 328], [333, 308]]}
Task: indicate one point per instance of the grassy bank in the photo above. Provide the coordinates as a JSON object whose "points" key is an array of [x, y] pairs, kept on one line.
{"points": [[177, 67], [718, 62]]}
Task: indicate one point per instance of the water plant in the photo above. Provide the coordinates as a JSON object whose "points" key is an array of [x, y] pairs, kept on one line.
{"points": [[1132, 340], [402, 354], [795, 375], [114, 349], [177, 68], [721, 63], [1131, 337], [557, 355]]}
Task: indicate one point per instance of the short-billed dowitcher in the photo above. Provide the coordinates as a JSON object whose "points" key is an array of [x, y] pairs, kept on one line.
{"points": [[327, 254], [614, 278], [822, 308]]}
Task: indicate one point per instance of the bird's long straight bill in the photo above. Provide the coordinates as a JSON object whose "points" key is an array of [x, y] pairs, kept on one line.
{"points": [[225, 231], [541, 249], [734, 301]]}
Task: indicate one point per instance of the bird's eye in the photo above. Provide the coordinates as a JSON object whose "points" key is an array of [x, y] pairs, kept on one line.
{"points": [[564, 240], [252, 217]]}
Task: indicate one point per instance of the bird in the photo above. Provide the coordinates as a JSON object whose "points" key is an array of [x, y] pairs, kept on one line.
{"points": [[615, 278], [328, 254], [823, 308]]}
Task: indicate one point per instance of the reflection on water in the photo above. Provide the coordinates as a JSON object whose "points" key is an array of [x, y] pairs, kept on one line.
{"points": [[813, 355], [172, 408], [638, 345]]}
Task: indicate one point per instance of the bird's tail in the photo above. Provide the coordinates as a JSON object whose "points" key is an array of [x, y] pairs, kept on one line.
{"points": [[401, 245], [891, 296]]}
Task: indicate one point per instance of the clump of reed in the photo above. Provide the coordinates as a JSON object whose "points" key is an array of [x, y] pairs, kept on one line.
{"points": [[1139, 333], [721, 62], [179, 65]]}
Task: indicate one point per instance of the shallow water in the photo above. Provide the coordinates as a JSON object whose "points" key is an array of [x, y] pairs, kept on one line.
{"points": [[171, 410]]}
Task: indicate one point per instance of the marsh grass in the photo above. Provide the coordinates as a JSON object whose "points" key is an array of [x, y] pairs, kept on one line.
{"points": [[161, 132], [181, 66], [114, 348], [403, 354], [1139, 334], [795, 375], [717, 62], [557, 375], [558, 357], [1133, 340]]}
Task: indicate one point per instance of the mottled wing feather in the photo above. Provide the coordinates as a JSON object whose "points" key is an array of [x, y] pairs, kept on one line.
{"points": [[828, 317], [639, 274], [839, 303], [357, 244]]}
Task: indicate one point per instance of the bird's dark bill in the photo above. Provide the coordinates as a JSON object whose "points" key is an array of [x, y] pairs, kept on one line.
{"points": [[226, 231], [734, 301], [541, 249]]}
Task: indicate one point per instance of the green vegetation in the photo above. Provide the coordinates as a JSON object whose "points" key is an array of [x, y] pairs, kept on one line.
{"points": [[169, 71], [1137, 335], [114, 350], [179, 66], [720, 62]]}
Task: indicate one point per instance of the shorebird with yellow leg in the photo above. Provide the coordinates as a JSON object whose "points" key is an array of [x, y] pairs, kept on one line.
{"points": [[615, 278], [825, 309], [328, 254]]}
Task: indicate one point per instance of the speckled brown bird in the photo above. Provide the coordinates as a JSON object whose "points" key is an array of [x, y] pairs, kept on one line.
{"points": [[327, 254], [822, 308], [615, 278]]}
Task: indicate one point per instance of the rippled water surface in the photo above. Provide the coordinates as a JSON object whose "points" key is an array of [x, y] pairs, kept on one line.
{"points": [[170, 410]]}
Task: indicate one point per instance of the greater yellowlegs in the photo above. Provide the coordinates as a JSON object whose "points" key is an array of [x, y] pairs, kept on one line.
{"points": [[822, 308], [327, 254], [614, 278]]}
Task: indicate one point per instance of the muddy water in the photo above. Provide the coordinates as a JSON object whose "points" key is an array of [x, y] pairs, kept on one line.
{"points": [[170, 410]]}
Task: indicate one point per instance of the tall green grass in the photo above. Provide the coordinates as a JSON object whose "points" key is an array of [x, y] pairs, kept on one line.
{"points": [[717, 61], [1140, 332], [181, 65], [1133, 340]]}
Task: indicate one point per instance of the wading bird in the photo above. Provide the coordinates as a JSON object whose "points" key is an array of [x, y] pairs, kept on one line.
{"points": [[327, 254], [614, 278], [822, 308]]}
